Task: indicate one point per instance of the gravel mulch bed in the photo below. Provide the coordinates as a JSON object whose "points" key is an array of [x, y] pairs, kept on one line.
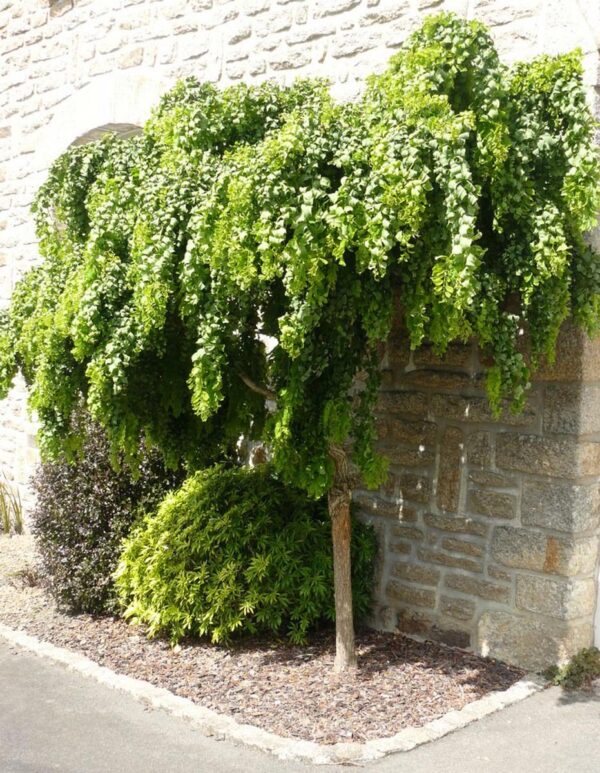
{"points": [[282, 688]]}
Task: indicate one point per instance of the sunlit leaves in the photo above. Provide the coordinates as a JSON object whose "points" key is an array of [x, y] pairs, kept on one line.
{"points": [[270, 213]]}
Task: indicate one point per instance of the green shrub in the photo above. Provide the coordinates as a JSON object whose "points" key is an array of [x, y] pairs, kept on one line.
{"points": [[235, 551], [579, 672], [11, 509], [83, 511]]}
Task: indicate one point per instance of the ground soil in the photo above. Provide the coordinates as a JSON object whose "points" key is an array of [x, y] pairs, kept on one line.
{"points": [[289, 690]]}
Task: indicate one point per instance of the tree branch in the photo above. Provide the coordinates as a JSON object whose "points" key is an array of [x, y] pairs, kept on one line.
{"points": [[258, 388]]}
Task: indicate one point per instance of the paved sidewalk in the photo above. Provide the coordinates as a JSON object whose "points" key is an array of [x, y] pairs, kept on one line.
{"points": [[54, 720]]}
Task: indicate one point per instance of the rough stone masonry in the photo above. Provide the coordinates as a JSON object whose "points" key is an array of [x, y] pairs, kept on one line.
{"points": [[489, 529]]}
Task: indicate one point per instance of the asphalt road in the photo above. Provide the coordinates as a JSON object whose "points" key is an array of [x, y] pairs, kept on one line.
{"points": [[54, 720]]}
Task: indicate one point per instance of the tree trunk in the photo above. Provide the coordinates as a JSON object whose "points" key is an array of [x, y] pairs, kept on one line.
{"points": [[339, 511]]}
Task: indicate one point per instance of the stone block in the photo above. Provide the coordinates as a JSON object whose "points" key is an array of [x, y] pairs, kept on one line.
{"points": [[406, 532], [406, 594], [455, 356], [560, 506], [289, 60], [477, 410], [490, 479], [411, 486], [330, 7], [459, 609], [456, 562], [402, 456], [455, 523], [131, 58], [440, 380], [473, 586], [424, 575], [404, 402], [374, 505], [563, 456], [498, 574], [450, 464], [461, 546], [492, 504], [479, 448], [572, 408], [408, 432], [577, 358], [539, 552], [528, 641], [400, 546], [563, 599]]}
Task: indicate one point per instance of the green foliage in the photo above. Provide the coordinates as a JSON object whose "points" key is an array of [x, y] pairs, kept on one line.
{"points": [[579, 672], [235, 551], [266, 211], [84, 509], [11, 509]]}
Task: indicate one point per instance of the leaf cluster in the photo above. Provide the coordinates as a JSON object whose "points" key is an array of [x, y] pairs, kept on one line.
{"points": [[262, 231], [234, 551]]}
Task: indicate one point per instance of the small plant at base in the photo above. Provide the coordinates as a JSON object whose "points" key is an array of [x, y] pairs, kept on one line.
{"points": [[11, 508], [579, 673]]}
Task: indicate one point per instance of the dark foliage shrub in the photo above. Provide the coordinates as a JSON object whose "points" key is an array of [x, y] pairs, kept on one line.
{"points": [[84, 510], [236, 551]]}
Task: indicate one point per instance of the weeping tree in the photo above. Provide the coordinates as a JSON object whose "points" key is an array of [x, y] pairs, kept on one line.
{"points": [[230, 272]]}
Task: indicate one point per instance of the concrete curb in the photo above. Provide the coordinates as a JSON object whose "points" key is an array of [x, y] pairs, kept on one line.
{"points": [[212, 724]]}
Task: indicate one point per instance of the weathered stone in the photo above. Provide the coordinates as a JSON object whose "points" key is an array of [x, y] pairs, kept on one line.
{"points": [[461, 546], [455, 356], [404, 402], [329, 7], [440, 380], [530, 642], [400, 456], [455, 523], [577, 358], [289, 60], [539, 552], [406, 432], [406, 594], [498, 574], [415, 488], [416, 573], [477, 410], [492, 504], [491, 479], [397, 509], [450, 464], [400, 546], [560, 506], [131, 58], [561, 456], [572, 408], [475, 587], [479, 448], [564, 599], [456, 562], [384, 16], [451, 637], [351, 45], [459, 609], [406, 532]]}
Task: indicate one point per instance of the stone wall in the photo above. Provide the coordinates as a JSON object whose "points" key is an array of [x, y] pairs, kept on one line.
{"points": [[484, 524], [489, 527]]}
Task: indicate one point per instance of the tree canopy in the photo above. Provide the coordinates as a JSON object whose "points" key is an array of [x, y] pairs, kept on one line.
{"points": [[257, 214]]}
